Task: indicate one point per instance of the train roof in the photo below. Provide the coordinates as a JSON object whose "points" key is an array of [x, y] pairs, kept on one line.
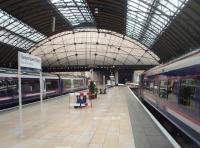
{"points": [[8, 70], [188, 60], [13, 73]]}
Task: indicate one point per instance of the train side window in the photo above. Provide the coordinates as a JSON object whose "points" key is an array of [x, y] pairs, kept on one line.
{"points": [[170, 86], [29, 86], [151, 86], [51, 84], [163, 92], [4, 83], [146, 85], [188, 88], [67, 84], [156, 87]]}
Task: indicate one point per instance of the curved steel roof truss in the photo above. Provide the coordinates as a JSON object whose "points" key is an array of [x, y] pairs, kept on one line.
{"points": [[93, 46], [150, 22]]}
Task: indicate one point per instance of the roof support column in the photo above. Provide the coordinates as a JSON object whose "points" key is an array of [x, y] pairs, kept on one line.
{"points": [[54, 24]]}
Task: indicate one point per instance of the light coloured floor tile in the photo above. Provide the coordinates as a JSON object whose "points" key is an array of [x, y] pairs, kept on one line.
{"points": [[95, 145], [106, 124], [98, 139]]}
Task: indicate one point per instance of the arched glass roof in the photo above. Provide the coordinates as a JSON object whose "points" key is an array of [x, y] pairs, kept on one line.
{"points": [[75, 11], [16, 33], [169, 28], [92, 47], [146, 19]]}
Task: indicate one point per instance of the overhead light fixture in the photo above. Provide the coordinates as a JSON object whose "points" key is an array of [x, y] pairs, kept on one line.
{"points": [[96, 11]]}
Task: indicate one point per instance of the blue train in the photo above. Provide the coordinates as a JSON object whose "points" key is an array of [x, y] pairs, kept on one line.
{"points": [[174, 90], [53, 85]]}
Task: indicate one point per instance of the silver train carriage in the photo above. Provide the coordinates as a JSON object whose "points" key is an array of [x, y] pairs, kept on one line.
{"points": [[174, 90], [53, 85]]}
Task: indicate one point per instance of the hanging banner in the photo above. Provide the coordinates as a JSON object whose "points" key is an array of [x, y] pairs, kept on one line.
{"points": [[29, 61]]}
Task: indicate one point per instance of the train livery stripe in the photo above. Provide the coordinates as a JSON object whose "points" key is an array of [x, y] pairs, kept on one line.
{"points": [[164, 131], [31, 94], [181, 116], [194, 124], [50, 92], [187, 116], [5, 98]]}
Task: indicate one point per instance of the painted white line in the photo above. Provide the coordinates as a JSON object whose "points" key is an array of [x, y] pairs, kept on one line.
{"points": [[169, 137]]}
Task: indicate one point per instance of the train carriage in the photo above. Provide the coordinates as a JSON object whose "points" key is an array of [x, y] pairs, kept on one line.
{"points": [[174, 90], [53, 85], [78, 83], [66, 84]]}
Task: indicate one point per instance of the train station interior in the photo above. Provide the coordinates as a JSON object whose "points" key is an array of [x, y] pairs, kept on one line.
{"points": [[99, 73]]}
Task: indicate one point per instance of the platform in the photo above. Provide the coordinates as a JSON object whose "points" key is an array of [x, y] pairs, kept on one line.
{"points": [[146, 132], [105, 125], [116, 120]]}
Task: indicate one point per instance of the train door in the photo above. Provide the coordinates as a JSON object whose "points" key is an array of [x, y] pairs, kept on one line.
{"points": [[141, 85], [83, 83], [44, 87], [61, 86]]}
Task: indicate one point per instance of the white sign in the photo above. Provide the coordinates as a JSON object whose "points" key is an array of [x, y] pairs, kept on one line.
{"points": [[29, 61]]}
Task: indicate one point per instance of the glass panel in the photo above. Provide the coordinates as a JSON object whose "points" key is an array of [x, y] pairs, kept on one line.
{"points": [[14, 31], [148, 18], [75, 11]]}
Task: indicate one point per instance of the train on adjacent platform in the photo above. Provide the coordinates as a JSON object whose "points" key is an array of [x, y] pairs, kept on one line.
{"points": [[53, 85], [173, 89]]}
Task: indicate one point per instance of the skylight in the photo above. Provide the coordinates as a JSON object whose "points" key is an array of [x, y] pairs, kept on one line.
{"points": [[75, 11], [146, 19], [14, 32]]}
